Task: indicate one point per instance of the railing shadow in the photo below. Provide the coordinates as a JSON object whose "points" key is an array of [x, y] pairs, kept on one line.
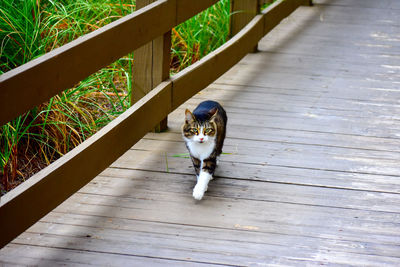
{"points": [[130, 191]]}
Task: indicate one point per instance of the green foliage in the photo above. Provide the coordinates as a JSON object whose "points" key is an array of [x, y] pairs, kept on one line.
{"points": [[20, 24], [30, 28], [200, 35]]}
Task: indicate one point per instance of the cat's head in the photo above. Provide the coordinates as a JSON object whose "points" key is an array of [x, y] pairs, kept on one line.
{"points": [[199, 131]]}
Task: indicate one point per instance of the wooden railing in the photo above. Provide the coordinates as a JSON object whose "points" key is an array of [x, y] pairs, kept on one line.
{"points": [[38, 80]]}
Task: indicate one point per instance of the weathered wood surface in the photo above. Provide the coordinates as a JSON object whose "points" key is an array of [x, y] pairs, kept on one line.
{"points": [[151, 66], [64, 177], [311, 176], [89, 53]]}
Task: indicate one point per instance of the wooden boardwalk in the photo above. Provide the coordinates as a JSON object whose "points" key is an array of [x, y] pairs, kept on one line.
{"points": [[311, 174]]}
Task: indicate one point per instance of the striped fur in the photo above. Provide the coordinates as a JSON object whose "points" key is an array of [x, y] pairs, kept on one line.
{"points": [[204, 133]]}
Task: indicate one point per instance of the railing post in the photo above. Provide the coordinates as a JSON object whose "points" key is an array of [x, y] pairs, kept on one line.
{"points": [[307, 3], [243, 11], [151, 65]]}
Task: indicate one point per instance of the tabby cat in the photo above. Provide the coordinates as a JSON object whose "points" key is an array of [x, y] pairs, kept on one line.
{"points": [[204, 134]]}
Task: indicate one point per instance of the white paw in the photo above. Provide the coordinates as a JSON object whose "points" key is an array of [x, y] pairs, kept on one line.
{"points": [[202, 185], [198, 192]]}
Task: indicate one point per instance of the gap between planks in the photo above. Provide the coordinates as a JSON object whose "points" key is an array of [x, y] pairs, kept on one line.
{"points": [[300, 198], [289, 142], [271, 181], [68, 256], [233, 232]]}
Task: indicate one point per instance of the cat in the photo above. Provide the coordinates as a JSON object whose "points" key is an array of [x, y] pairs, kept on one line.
{"points": [[204, 133]]}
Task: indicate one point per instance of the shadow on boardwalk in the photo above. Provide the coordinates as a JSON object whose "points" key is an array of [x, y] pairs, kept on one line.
{"points": [[310, 174]]}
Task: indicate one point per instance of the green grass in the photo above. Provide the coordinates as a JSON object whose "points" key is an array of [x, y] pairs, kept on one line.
{"points": [[200, 35], [30, 28]]}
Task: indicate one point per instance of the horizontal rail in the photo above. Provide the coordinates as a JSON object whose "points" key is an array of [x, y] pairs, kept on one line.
{"points": [[44, 191], [37, 81]]}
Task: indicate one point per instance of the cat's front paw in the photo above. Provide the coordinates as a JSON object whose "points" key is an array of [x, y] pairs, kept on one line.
{"points": [[198, 192]]}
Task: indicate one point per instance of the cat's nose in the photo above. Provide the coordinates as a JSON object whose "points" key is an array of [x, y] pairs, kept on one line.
{"points": [[201, 138]]}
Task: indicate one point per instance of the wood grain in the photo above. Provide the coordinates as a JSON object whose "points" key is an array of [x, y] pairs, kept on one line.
{"points": [[151, 66], [65, 176], [199, 75], [22, 207], [309, 178], [69, 64], [243, 11]]}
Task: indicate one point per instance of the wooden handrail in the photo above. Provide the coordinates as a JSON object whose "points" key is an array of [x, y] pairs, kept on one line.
{"points": [[40, 79], [30, 201]]}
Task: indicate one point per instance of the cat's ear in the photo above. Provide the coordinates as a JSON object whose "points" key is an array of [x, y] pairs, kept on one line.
{"points": [[188, 116], [213, 113]]}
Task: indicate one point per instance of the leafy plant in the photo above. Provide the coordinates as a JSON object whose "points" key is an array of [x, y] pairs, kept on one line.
{"points": [[20, 24], [200, 35], [30, 28]]}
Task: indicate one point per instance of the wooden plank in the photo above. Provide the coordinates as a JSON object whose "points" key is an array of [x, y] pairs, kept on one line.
{"points": [[342, 14], [151, 65], [22, 207], [297, 109], [261, 2], [114, 40], [199, 75], [292, 80], [134, 241], [293, 212], [47, 256], [296, 136], [320, 67], [113, 181], [336, 30], [285, 172], [211, 250], [263, 150], [243, 11], [216, 63], [270, 214], [346, 102], [366, 44], [279, 10], [384, 4], [94, 149], [187, 9], [237, 233], [293, 155], [368, 95], [300, 220], [90, 52], [312, 123]]}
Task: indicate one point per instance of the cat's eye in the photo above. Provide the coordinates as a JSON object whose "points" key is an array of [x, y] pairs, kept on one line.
{"points": [[194, 131], [208, 130]]}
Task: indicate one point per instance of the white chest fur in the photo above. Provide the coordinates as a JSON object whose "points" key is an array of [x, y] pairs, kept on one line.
{"points": [[201, 150]]}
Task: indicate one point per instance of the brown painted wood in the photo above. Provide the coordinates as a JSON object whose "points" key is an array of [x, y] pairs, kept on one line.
{"points": [[87, 54], [151, 65], [243, 11], [278, 11], [302, 184], [21, 207], [187, 9], [36, 81], [199, 75]]}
